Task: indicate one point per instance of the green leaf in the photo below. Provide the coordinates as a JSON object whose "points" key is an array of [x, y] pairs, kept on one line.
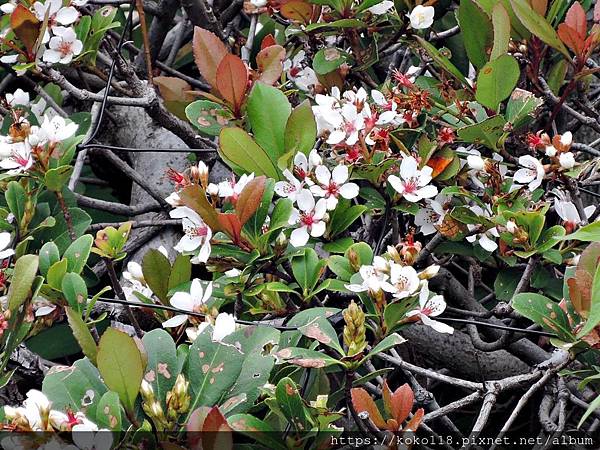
{"points": [[82, 334], [301, 129], [268, 110], [359, 254], [442, 61], [255, 429], [385, 344], [496, 81], [342, 217], [15, 199], [59, 233], [328, 59], [339, 246], [162, 368], [521, 107], [501, 27], [55, 179], [77, 387], [291, 404], [538, 25], [594, 405], [476, 29], [544, 312], [209, 117], [49, 255], [56, 272], [340, 266], [322, 331], [213, 368], [587, 233], [78, 252], [108, 414], [487, 132], [237, 147], [121, 365], [304, 357], [75, 291], [307, 269], [157, 270], [342, 23], [181, 271], [506, 282], [22, 280]]}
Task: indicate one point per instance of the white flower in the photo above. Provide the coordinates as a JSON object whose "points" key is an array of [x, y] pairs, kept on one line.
{"points": [[566, 160], [303, 77], [9, 59], [290, 188], [404, 281], [231, 189], [38, 107], [134, 272], [197, 233], [19, 159], [56, 13], [373, 277], [353, 122], [533, 173], [433, 214], [224, 326], [333, 184], [42, 307], [567, 211], [309, 216], [37, 408], [173, 199], [8, 7], [413, 184], [5, 250], [381, 8], [56, 129], [19, 97], [566, 139], [421, 17], [327, 111], [188, 302], [63, 46], [511, 226], [258, 3], [475, 162], [550, 151], [486, 239], [431, 307]]}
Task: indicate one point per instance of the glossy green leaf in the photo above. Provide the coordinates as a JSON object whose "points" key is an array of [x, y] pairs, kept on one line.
{"points": [[24, 274], [301, 129], [82, 334], [476, 29], [501, 27], [157, 269], [75, 291], [109, 412], [496, 81], [78, 252], [162, 367], [209, 117], [49, 255], [236, 146], [544, 312], [56, 179]]}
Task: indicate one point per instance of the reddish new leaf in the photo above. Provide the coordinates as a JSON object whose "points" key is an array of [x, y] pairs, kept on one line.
{"points": [[416, 420], [267, 41], [540, 6], [270, 63], [194, 197], [438, 164], [230, 224], [232, 81], [570, 38], [209, 51], [362, 402], [216, 432], [249, 199], [297, 10], [402, 402], [576, 19], [26, 27]]}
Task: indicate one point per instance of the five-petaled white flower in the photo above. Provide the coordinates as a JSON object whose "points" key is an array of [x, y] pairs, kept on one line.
{"points": [[486, 239], [57, 15], [19, 158], [223, 327], [433, 214], [333, 184], [63, 46], [403, 282], [567, 211], [309, 218], [532, 174], [290, 188], [373, 276], [56, 129], [231, 189], [430, 307], [191, 302], [197, 233], [19, 97], [413, 184], [421, 17]]}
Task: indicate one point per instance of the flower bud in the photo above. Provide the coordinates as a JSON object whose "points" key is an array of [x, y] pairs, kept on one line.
{"points": [[147, 391], [354, 331], [567, 160], [429, 272], [212, 190]]}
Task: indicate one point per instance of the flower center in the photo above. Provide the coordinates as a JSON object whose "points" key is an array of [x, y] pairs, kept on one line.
{"points": [[411, 185], [64, 48], [333, 190], [307, 219], [200, 231]]}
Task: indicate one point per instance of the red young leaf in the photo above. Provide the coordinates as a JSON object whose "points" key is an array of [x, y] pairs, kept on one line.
{"points": [[540, 6], [231, 225], [362, 401], [267, 41], [416, 420], [194, 426], [576, 19], [209, 51], [571, 38], [402, 402], [250, 198], [194, 197], [216, 433], [387, 398], [232, 81], [270, 63], [438, 164], [26, 27]]}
